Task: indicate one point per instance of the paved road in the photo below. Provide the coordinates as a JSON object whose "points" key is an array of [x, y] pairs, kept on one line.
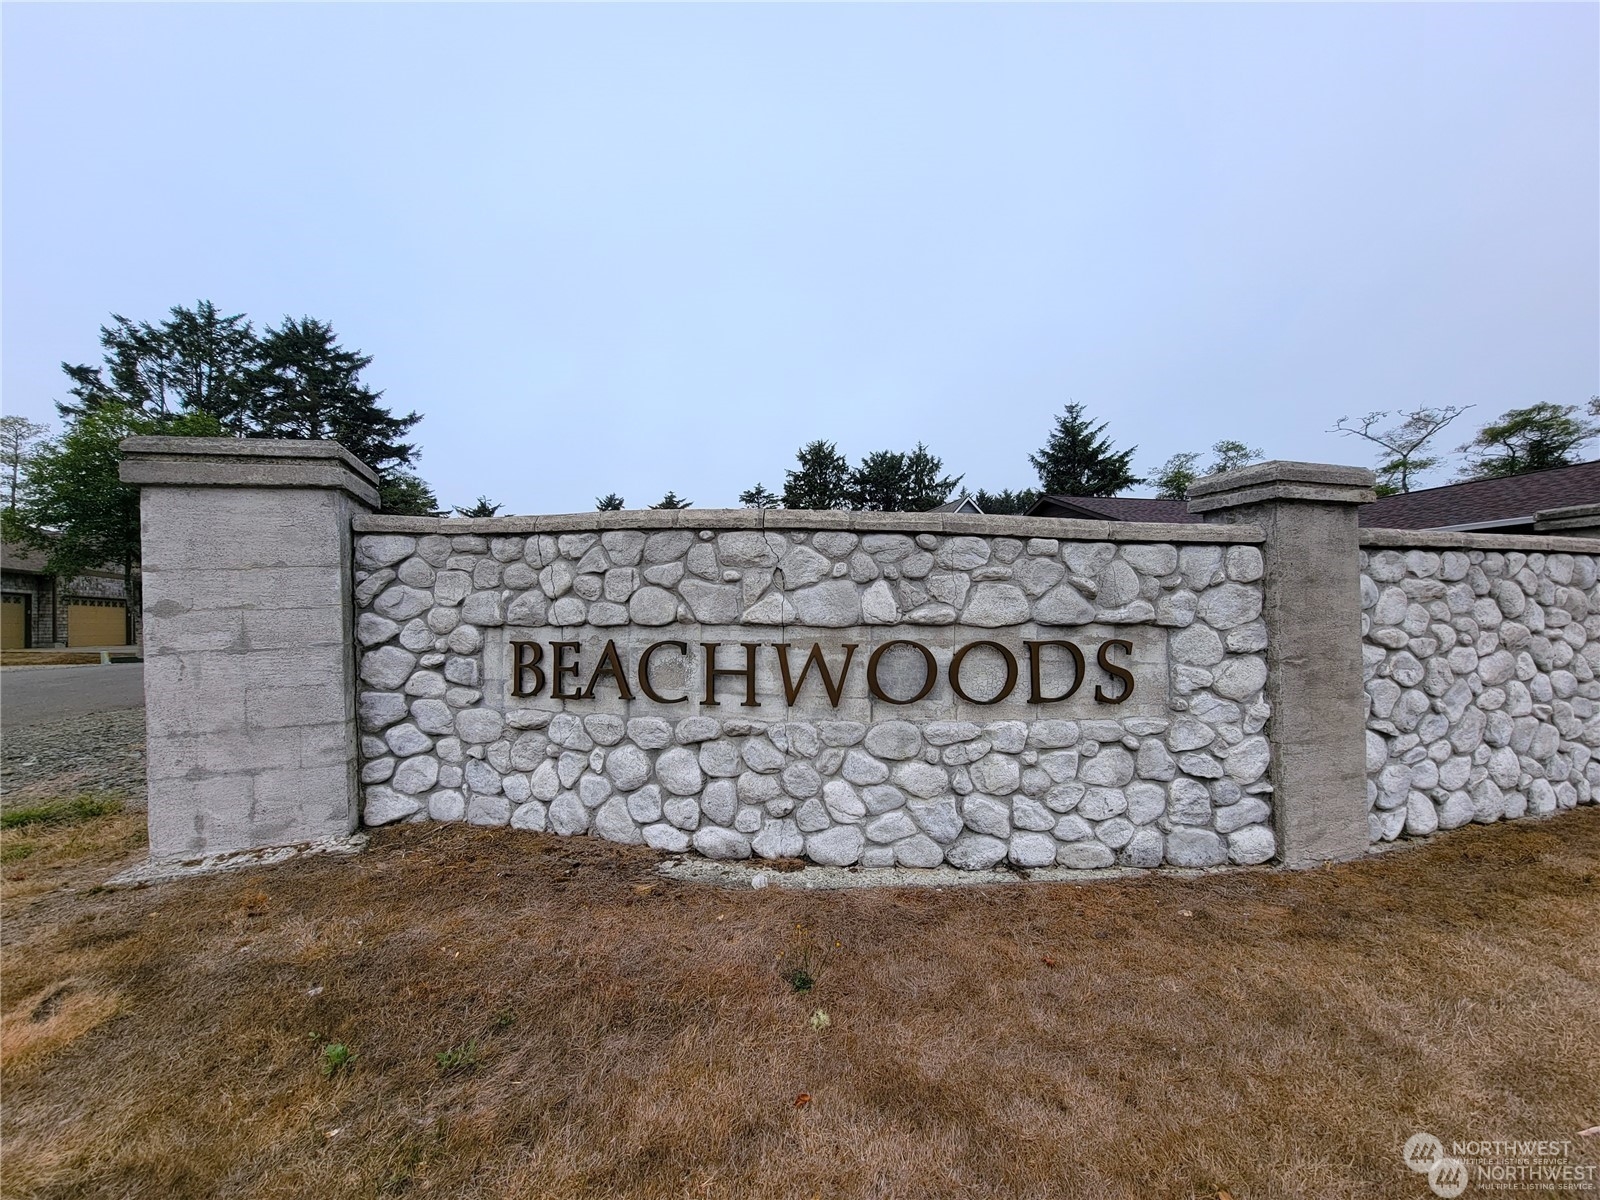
{"points": [[29, 695]]}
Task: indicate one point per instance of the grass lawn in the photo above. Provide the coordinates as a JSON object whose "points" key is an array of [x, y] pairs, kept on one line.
{"points": [[462, 1012]]}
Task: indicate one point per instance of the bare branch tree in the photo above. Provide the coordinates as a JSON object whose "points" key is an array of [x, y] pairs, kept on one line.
{"points": [[1404, 442]]}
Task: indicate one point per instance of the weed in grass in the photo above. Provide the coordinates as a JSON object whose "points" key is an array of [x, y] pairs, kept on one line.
{"points": [[505, 1019], [334, 1056], [820, 1020], [801, 966], [458, 1058]]}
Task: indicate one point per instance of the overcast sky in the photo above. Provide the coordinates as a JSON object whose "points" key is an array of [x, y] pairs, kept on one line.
{"points": [[616, 248]]}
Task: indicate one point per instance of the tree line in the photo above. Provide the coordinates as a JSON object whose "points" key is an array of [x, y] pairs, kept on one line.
{"points": [[201, 373]]}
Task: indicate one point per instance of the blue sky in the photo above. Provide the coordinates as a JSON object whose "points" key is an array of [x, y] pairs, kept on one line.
{"points": [[617, 248]]}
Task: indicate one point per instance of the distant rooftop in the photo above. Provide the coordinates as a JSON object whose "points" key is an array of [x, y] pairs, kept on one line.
{"points": [[1506, 504]]}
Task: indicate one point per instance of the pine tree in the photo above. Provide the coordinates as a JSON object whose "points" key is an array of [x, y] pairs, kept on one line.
{"points": [[1079, 461], [403, 493], [878, 484], [822, 480], [1006, 502], [924, 488], [610, 502], [670, 500], [482, 507], [1535, 438], [308, 386], [759, 497], [194, 361]]}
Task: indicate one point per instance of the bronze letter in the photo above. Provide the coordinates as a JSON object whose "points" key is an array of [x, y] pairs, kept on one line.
{"points": [[834, 687], [1115, 672], [713, 672], [955, 672], [519, 667], [932, 669], [609, 664], [1037, 696], [558, 668], [645, 685]]}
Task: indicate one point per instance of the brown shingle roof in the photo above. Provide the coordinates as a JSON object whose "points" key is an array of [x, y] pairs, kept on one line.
{"points": [[1492, 503]]}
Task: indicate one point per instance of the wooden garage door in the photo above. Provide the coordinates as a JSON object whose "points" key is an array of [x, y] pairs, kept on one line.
{"points": [[14, 636], [96, 622]]}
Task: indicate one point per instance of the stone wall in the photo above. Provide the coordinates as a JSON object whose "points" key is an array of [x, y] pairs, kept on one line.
{"points": [[1158, 757], [1482, 661]]}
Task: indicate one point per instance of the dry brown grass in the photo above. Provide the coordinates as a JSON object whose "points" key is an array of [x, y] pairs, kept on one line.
{"points": [[1255, 1034]]}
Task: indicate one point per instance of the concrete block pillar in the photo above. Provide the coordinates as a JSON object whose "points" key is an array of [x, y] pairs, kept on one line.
{"points": [[249, 673], [1312, 597]]}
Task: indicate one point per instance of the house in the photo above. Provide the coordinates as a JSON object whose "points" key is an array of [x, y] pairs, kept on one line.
{"points": [[39, 610], [966, 505], [1509, 504]]}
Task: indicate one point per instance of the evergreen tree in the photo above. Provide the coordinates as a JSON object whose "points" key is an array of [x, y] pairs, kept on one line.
{"points": [[759, 497], [670, 500], [308, 386], [1006, 503], [403, 493], [878, 484], [195, 361], [822, 480], [1079, 461], [925, 489], [482, 507], [610, 502], [1535, 438]]}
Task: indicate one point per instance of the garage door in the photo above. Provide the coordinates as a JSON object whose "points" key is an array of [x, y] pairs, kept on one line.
{"points": [[14, 635], [96, 622]]}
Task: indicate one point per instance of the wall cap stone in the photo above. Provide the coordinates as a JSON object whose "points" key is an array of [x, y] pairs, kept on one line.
{"points": [[246, 462], [1441, 539], [1319, 483], [784, 520], [1580, 517]]}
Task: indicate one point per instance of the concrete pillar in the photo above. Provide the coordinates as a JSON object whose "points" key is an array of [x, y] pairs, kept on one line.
{"points": [[1575, 520], [1313, 614], [249, 673]]}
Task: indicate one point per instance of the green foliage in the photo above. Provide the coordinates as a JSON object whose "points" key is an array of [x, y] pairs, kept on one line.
{"points": [[1078, 460], [18, 439], [759, 497], [610, 502], [1173, 477], [195, 361], [333, 1057], [305, 385], [403, 493], [73, 507], [822, 479], [671, 500], [1535, 438], [458, 1058], [1230, 456], [1006, 503], [891, 481], [482, 507], [1403, 445], [62, 812]]}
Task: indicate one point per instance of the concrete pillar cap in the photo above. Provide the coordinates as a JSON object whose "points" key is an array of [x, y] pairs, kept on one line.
{"points": [[1320, 483], [246, 462]]}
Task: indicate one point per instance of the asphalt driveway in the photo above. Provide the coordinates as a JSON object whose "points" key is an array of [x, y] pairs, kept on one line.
{"points": [[31, 695]]}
